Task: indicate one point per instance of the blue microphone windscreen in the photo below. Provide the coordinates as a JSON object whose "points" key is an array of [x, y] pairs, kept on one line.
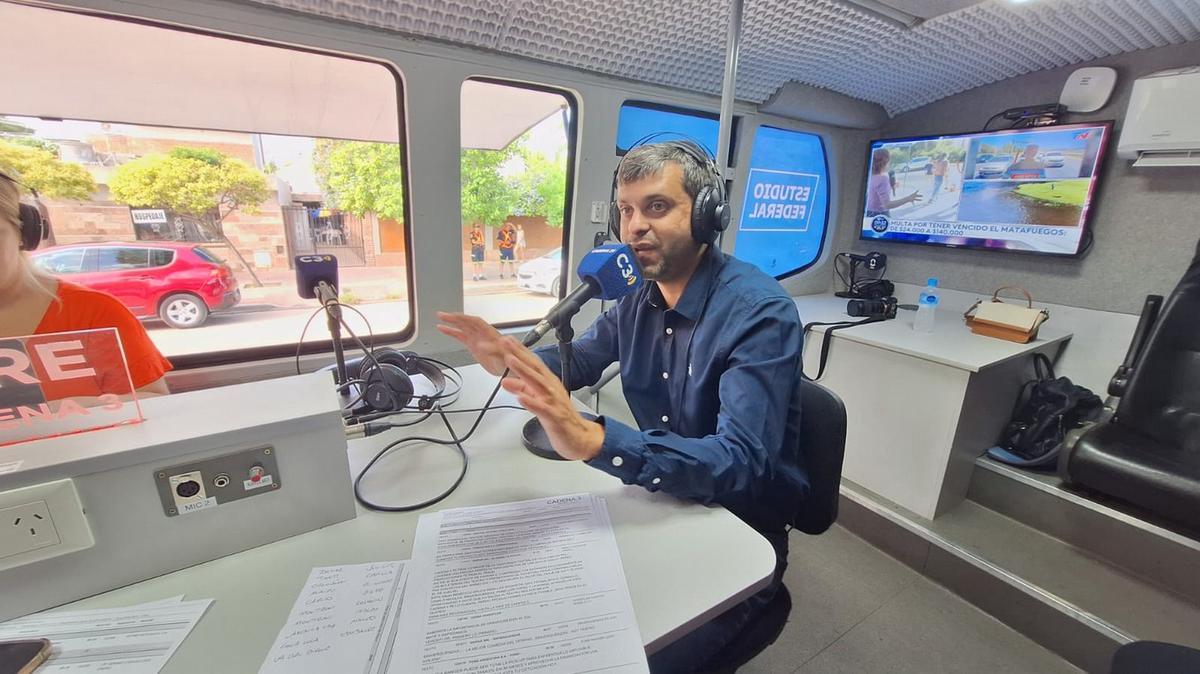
{"points": [[614, 268]]}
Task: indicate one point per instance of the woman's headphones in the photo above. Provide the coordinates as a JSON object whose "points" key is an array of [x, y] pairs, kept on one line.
{"points": [[710, 208], [34, 221], [386, 381]]}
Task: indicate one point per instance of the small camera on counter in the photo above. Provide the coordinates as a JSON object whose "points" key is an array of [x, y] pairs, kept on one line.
{"points": [[884, 308]]}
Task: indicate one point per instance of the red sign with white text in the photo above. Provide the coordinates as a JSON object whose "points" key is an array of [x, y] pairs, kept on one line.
{"points": [[64, 383]]}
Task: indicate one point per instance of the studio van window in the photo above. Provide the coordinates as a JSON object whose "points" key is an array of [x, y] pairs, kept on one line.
{"points": [[516, 163], [785, 208], [184, 172]]}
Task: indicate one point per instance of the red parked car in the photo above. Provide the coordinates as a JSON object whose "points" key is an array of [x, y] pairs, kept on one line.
{"points": [[181, 283]]}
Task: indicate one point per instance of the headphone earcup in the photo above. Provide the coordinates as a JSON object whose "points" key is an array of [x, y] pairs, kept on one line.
{"points": [[703, 216], [614, 221], [33, 229], [386, 388]]}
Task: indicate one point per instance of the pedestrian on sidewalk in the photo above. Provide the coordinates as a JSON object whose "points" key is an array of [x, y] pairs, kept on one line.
{"points": [[520, 243], [477, 253], [508, 241]]}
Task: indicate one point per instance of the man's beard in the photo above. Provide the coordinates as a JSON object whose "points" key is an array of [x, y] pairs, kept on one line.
{"points": [[669, 261]]}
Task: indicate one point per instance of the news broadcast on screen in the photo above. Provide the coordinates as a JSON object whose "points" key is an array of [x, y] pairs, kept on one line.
{"points": [[1019, 190]]}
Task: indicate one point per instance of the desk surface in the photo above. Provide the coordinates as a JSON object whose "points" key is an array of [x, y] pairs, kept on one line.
{"points": [[685, 563], [951, 343]]}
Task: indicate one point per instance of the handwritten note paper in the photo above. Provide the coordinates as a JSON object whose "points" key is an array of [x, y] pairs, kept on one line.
{"points": [[337, 621]]}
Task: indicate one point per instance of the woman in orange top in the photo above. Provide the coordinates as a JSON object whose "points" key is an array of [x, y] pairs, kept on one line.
{"points": [[33, 302]]}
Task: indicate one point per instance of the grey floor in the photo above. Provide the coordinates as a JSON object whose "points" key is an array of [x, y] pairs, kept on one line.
{"points": [[856, 609]]}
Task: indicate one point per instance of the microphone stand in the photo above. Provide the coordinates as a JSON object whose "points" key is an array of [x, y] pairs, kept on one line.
{"points": [[533, 436], [333, 315]]}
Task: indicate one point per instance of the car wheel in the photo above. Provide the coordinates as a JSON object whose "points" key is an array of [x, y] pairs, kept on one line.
{"points": [[183, 311], [555, 286]]}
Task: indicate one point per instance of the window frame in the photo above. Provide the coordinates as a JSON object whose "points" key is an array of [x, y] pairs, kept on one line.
{"points": [[734, 127], [252, 354], [572, 130], [829, 195]]}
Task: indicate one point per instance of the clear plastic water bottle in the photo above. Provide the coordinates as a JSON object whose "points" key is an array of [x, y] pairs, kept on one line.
{"points": [[927, 307]]}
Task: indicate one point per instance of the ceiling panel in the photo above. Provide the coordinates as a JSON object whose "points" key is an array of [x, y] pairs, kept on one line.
{"points": [[927, 9], [824, 43]]}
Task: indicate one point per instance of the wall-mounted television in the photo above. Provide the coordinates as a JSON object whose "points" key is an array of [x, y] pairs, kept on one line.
{"points": [[1030, 190]]}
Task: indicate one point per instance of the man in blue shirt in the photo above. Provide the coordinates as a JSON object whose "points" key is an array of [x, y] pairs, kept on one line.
{"points": [[709, 352]]}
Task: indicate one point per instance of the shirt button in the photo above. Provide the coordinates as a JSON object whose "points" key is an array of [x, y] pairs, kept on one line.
{"points": [[617, 461], [665, 375], [656, 480], [665, 418], [670, 331]]}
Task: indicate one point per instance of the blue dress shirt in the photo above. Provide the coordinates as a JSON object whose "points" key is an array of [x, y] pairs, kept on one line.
{"points": [[711, 383]]}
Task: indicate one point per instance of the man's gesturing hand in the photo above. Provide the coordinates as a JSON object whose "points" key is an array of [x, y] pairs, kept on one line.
{"points": [[480, 338], [540, 392]]}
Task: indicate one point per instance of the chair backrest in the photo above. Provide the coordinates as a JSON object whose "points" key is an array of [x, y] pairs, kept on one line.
{"points": [[822, 444], [1162, 399]]}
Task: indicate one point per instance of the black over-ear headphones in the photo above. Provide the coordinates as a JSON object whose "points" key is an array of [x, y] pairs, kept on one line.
{"points": [[35, 224], [710, 208], [386, 381]]}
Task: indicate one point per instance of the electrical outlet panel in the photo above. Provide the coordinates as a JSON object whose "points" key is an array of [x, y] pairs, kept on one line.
{"points": [[40, 522], [600, 212], [200, 485]]}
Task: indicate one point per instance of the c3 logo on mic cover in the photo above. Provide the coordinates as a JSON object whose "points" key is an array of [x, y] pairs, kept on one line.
{"points": [[627, 271]]}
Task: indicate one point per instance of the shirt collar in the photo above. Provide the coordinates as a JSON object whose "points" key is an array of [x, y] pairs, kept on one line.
{"points": [[698, 288]]}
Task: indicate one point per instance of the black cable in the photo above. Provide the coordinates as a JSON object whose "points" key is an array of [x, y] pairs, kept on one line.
{"points": [[453, 374], [455, 442], [437, 408], [992, 119], [1088, 239], [856, 286], [841, 276], [303, 332]]}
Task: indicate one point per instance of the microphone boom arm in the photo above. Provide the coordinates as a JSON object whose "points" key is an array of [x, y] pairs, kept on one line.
{"points": [[327, 295]]}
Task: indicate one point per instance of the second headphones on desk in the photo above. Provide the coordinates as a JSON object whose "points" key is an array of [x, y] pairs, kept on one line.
{"points": [[385, 381], [710, 206]]}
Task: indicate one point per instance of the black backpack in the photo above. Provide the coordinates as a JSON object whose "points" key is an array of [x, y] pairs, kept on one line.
{"points": [[1046, 409]]}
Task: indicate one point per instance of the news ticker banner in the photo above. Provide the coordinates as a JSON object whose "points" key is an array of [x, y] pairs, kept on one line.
{"points": [[64, 383], [1041, 238]]}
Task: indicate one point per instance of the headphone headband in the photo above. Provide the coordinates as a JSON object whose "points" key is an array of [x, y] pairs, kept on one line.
{"points": [[386, 384], [710, 206]]}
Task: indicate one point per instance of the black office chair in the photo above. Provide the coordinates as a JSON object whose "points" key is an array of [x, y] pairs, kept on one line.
{"points": [[822, 444], [1139, 657], [1149, 452]]}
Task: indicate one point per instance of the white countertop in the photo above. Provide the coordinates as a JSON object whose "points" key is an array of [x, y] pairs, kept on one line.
{"points": [[951, 343], [685, 563]]}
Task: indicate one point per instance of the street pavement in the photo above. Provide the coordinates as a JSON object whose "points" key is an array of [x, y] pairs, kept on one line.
{"points": [[253, 325]]}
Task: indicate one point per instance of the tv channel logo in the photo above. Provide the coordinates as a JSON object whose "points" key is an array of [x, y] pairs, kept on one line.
{"points": [[880, 224]]}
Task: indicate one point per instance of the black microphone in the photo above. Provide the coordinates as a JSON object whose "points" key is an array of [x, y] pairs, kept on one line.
{"points": [[874, 261], [609, 272], [317, 278]]}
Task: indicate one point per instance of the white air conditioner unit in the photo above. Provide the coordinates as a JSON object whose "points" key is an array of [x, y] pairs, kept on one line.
{"points": [[1162, 123]]}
